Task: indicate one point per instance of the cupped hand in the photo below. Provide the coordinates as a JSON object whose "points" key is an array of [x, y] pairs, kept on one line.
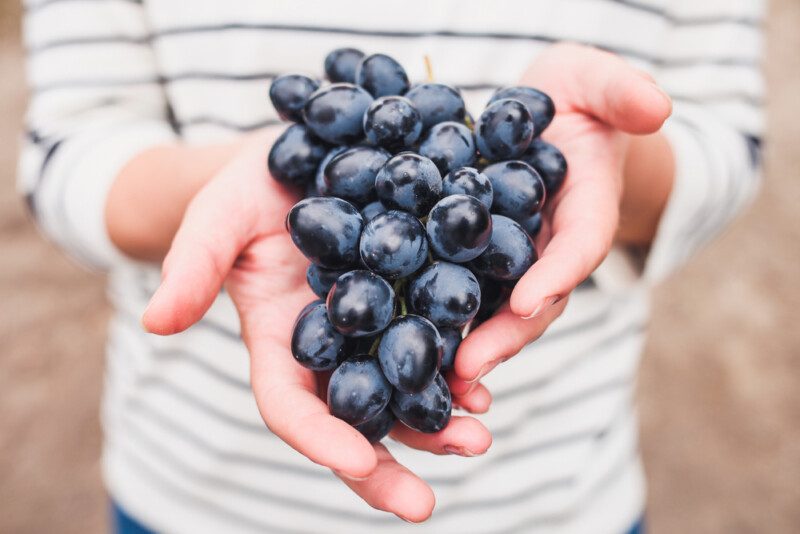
{"points": [[600, 100], [233, 234]]}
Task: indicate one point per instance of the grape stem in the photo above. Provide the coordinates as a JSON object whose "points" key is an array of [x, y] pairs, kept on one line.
{"points": [[399, 286], [374, 348], [428, 67]]}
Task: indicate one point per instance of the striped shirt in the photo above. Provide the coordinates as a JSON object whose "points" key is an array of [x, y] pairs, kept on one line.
{"points": [[185, 448]]}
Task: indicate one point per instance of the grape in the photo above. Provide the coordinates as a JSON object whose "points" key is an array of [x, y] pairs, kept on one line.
{"points": [[549, 162], [295, 155], [316, 345], [409, 182], [335, 113], [446, 294], [532, 224], [379, 426], [437, 103], [459, 228], [289, 94], [451, 339], [427, 411], [373, 209], [504, 130], [518, 189], [510, 252], [320, 187], [393, 244], [350, 175], [392, 122], [321, 280], [358, 391], [340, 64], [539, 105], [381, 75], [449, 145], [326, 230], [468, 181], [360, 303], [410, 353], [493, 294]]}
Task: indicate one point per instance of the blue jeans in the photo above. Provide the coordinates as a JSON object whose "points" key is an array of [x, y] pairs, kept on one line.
{"points": [[122, 523]]}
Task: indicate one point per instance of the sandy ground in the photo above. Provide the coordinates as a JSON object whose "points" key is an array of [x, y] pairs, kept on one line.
{"points": [[718, 390]]}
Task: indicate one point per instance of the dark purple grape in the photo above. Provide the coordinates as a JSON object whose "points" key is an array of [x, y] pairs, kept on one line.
{"points": [[289, 95], [459, 228], [468, 181], [392, 122], [321, 280], [358, 391], [446, 294], [410, 353], [316, 344], [326, 230], [518, 189], [549, 162], [381, 75], [437, 103], [427, 411], [373, 209], [350, 175], [320, 187], [335, 113], [494, 294], [360, 303], [379, 426], [340, 65], [451, 339], [295, 156], [539, 105], [504, 130], [450, 145], [510, 252], [393, 244], [532, 224], [409, 182]]}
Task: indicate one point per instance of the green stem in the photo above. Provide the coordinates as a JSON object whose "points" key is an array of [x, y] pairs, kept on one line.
{"points": [[403, 308], [374, 348]]}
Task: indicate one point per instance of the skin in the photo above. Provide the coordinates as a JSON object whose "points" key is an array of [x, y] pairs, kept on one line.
{"points": [[621, 172]]}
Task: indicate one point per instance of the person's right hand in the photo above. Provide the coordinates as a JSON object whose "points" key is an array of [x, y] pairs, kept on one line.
{"points": [[233, 233]]}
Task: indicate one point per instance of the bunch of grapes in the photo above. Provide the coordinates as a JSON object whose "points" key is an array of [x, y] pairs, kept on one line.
{"points": [[417, 222]]}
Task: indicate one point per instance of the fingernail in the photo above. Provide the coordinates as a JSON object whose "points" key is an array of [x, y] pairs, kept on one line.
{"points": [[350, 477], [460, 451], [543, 306], [485, 370]]}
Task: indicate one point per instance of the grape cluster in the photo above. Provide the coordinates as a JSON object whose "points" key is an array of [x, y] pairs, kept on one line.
{"points": [[417, 221]]}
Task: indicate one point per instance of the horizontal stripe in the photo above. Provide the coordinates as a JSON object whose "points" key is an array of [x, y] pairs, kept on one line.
{"points": [[689, 20], [397, 34]]}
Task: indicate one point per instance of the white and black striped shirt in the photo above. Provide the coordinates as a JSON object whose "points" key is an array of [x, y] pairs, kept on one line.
{"points": [[186, 450]]}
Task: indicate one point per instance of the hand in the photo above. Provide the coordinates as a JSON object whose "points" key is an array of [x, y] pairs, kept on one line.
{"points": [[233, 234], [600, 99]]}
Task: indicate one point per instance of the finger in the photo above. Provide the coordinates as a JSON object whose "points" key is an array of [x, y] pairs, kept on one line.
{"points": [[584, 223], [393, 488], [497, 340], [476, 399], [586, 79], [202, 253], [464, 436], [286, 396]]}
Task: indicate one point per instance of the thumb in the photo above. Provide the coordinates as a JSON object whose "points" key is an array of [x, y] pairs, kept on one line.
{"points": [[605, 86], [205, 247]]}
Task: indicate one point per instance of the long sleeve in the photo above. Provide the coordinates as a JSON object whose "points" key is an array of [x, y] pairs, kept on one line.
{"points": [[713, 74], [95, 102]]}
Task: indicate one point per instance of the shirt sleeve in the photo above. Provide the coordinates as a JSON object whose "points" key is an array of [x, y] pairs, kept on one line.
{"points": [[96, 101], [712, 71]]}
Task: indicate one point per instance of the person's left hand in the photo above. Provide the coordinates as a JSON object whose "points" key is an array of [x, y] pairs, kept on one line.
{"points": [[600, 99]]}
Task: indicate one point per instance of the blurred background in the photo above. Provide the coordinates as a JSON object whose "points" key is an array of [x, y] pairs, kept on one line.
{"points": [[719, 391]]}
